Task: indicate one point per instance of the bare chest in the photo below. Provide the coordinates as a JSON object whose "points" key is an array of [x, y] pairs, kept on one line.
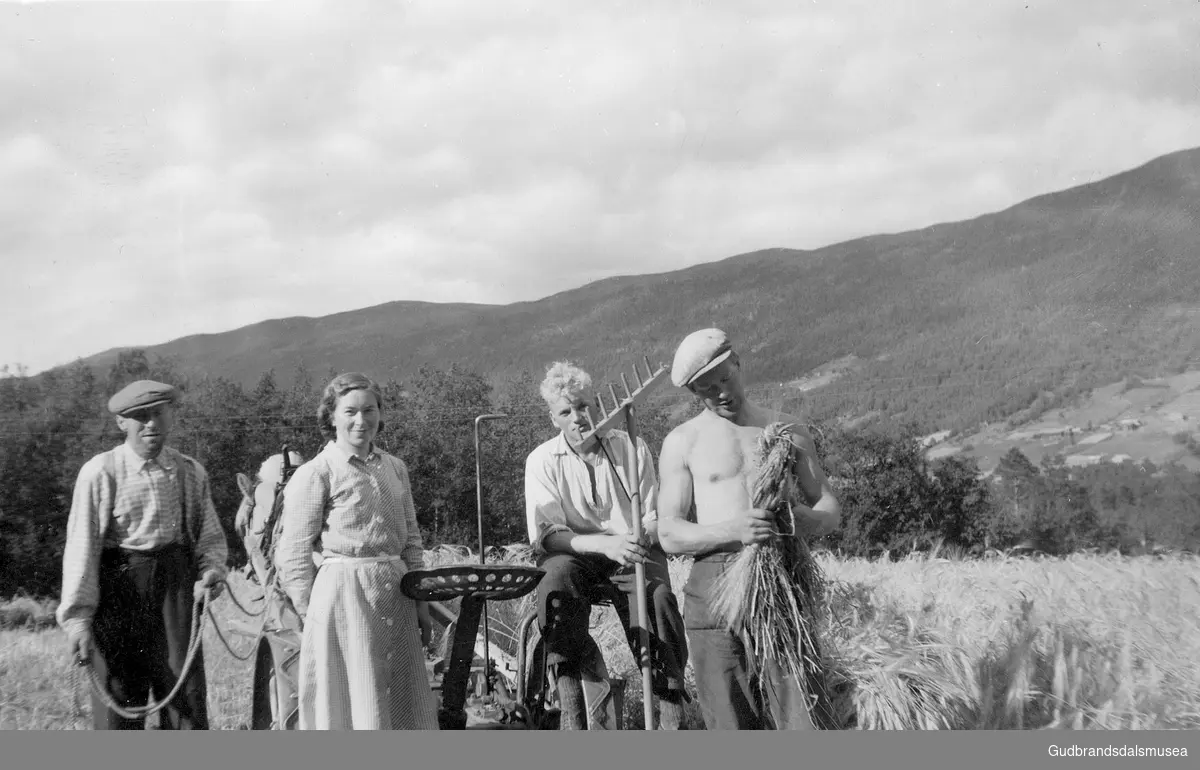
{"points": [[724, 453]]}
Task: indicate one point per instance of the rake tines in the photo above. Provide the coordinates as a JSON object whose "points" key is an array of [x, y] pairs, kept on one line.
{"points": [[620, 406]]}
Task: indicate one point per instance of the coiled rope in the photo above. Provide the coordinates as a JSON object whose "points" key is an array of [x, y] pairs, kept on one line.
{"points": [[142, 712], [201, 607]]}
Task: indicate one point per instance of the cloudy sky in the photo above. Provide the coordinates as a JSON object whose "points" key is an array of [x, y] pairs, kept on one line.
{"points": [[171, 168]]}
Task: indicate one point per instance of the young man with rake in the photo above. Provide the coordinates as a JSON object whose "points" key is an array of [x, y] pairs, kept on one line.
{"points": [[710, 466], [143, 543], [579, 515]]}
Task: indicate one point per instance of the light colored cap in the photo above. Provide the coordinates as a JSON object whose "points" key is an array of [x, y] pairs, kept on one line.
{"points": [[142, 394], [699, 352]]}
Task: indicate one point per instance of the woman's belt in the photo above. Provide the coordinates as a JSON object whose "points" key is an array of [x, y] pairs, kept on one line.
{"points": [[339, 559]]}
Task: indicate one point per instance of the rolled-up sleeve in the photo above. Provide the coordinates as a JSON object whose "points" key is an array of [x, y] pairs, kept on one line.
{"points": [[305, 504], [544, 514], [414, 544], [86, 524]]}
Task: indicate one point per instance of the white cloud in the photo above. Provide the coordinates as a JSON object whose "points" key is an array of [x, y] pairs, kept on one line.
{"points": [[169, 169]]}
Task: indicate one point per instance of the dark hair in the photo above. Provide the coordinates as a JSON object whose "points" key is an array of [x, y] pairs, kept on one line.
{"points": [[338, 387]]}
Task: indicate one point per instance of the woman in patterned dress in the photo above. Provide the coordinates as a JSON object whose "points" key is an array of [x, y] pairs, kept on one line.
{"points": [[362, 663]]}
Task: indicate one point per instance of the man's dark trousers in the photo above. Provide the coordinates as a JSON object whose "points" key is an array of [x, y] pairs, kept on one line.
{"points": [[141, 629], [573, 582]]}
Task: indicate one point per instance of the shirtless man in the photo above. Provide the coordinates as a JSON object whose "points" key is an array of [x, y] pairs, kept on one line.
{"points": [[707, 467]]}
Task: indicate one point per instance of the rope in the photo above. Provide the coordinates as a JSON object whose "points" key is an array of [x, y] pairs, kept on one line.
{"points": [[201, 607], [78, 691], [266, 593], [143, 712], [262, 629]]}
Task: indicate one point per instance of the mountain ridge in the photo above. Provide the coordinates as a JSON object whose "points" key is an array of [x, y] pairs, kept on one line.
{"points": [[1072, 289]]}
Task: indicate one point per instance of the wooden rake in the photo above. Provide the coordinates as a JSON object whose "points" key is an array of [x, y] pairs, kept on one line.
{"points": [[624, 411]]}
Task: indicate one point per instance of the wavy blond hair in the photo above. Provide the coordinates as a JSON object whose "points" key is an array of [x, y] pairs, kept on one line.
{"points": [[564, 380]]}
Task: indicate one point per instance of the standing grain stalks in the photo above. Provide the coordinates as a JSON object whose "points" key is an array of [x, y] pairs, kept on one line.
{"points": [[773, 594]]}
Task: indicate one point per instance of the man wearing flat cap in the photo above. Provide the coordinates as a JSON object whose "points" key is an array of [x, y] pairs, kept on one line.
{"points": [[707, 471], [143, 542]]}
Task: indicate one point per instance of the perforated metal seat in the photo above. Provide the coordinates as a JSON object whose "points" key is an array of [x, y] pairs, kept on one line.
{"points": [[492, 582]]}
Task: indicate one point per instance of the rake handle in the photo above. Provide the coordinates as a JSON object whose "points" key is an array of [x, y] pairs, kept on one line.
{"points": [[639, 571], [625, 411]]}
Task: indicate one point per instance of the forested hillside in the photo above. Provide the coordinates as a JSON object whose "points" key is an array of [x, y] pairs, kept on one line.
{"points": [[893, 498], [876, 341], [996, 317]]}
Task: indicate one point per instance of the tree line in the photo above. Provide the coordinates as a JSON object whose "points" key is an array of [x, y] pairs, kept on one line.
{"points": [[893, 498]]}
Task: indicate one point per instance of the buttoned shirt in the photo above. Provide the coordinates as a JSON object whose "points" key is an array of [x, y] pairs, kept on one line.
{"points": [[137, 507], [559, 496], [353, 507]]}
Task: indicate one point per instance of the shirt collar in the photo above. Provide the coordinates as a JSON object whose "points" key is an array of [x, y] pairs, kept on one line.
{"points": [[164, 459], [349, 457], [559, 445]]}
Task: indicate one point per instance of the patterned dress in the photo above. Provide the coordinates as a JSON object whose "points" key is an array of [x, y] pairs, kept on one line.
{"points": [[361, 662]]}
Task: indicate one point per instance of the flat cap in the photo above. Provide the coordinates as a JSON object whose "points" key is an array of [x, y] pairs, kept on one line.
{"points": [[699, 352], [142, 394]]}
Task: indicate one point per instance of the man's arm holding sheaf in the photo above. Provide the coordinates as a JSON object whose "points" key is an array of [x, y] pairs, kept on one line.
{"points": [[822, 516]]}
